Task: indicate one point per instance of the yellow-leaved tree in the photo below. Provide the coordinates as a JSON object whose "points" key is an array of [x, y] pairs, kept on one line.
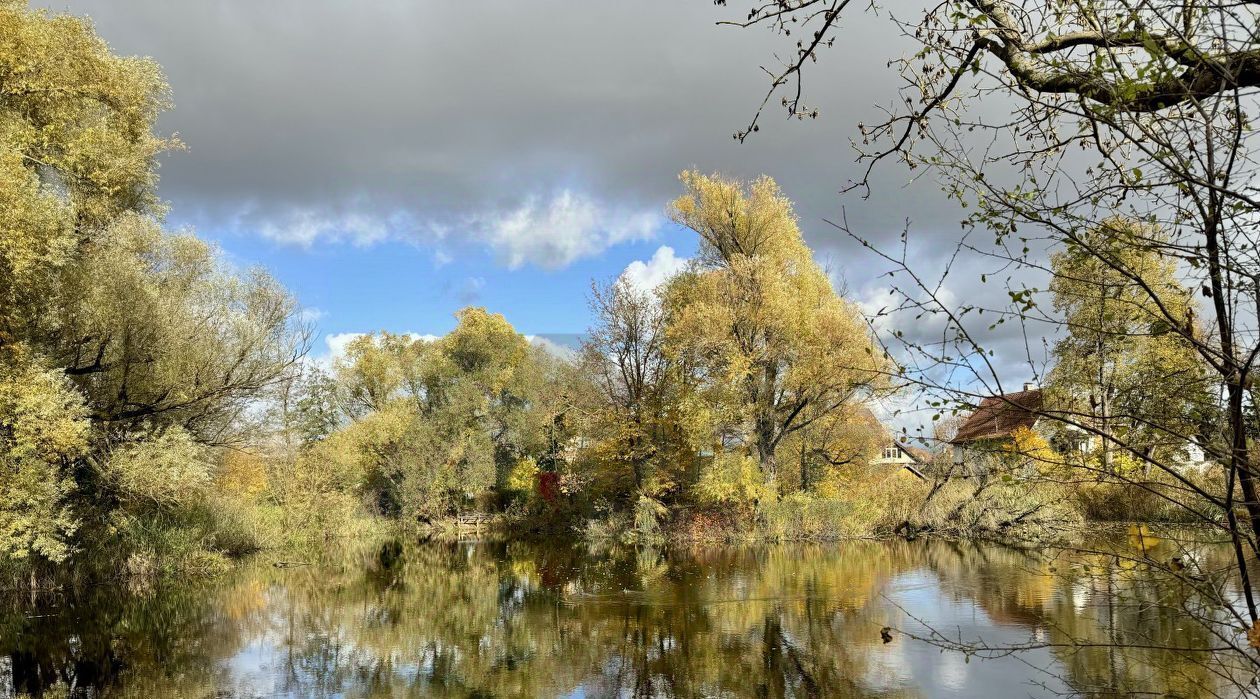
{"points": [[77, 149], [127, 354], [759, 324]]}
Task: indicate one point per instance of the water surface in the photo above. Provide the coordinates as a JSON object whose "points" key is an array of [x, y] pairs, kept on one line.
{"points": [[479, 619]]}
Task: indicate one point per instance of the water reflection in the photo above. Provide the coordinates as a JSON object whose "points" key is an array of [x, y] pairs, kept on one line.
{"points": [[527, 619]]}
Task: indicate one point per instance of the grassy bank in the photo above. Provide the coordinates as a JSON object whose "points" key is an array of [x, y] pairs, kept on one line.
{"points": [[1026, 511]]}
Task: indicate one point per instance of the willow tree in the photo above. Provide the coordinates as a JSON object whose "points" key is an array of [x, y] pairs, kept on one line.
{"points": [[126, 353], [759, 320], [158, 331], [435, 426], [77, 149]]}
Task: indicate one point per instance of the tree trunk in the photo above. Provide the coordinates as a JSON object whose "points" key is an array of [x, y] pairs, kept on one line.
{"points": [[804, 470], [765, 456], [1239, 460]]}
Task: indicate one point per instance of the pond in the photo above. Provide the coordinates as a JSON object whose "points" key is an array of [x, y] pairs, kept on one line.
{"points": [[522, 619]]}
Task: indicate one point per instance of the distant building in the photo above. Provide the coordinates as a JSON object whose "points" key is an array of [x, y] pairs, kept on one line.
{"points": [[910, 458], [995, 419], [991, 425], [1192, 457]]}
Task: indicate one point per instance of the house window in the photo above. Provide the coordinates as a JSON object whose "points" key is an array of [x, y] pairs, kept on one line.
{"points": [[892, 453]]}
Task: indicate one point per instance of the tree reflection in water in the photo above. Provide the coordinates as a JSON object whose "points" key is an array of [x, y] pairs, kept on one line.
{"points": [[531, 619]]}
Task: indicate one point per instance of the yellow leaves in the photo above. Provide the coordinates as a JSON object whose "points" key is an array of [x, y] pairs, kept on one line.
{"points": [[166, 469], [44, 428], [371, 369], [241, 474], [77, 148], [43, 414], [158, 324], [769, 339], [1123, 302], [733, 478], [486, 344], [1025, 443], [736, 221], [432, 417], [350, 453], [523, 476]]}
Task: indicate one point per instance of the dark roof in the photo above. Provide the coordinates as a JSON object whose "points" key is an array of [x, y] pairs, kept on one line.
{"points": [[998, 416]]}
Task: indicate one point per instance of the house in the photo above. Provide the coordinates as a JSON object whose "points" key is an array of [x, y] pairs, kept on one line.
{"points": [[896, 457], [992, 424], [910, 458], [995, 420]]}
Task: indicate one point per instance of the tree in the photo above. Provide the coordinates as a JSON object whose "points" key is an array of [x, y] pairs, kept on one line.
{"points": [[126, 353], [77, 149], [1119, 366], [439, 426], [1155, 100], [372, 371], [156, 330], [760, 321], [314, 410], [624, 355]]}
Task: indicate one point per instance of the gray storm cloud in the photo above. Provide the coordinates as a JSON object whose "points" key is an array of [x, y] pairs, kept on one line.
{"points": [[444, 121]]}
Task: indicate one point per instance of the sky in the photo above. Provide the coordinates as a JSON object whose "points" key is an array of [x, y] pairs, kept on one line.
{"points": [[391, 162]]}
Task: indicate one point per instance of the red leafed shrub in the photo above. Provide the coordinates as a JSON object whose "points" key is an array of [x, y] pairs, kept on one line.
{"points": [[548, 485]]}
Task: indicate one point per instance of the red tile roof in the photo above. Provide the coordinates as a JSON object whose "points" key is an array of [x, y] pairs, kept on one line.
{"points": [[998, 416]]}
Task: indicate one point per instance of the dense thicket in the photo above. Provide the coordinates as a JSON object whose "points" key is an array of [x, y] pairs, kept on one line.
{"points": [[693, 393], [129, 357]]}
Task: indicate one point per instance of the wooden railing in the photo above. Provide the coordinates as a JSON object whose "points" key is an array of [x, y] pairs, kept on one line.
{"points": [[473, 521]]}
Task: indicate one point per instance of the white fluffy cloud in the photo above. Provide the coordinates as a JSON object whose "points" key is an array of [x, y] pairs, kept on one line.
{"points": [[337, 343], [305, 227], [548, 233], [664, 264], [563, 351], [554, 233]]}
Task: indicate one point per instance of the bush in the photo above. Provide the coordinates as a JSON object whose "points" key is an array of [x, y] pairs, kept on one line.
{"points": [[165, 470], [1129, 502], [733, 479], [1005, 508], [608, 525], [804, 516]]}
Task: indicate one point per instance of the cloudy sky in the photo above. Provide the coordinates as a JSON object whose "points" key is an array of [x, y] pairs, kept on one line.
{"points": [[394, 161]]}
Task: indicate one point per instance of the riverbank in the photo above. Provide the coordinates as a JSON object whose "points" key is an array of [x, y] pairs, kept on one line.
{"points": [[293, 525], [998, 510]]}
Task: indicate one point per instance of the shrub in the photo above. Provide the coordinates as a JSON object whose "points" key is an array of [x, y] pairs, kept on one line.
{"points": [[1005, 508], [733, 479], [166, 470], [804, 516], [1116, 501]]}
